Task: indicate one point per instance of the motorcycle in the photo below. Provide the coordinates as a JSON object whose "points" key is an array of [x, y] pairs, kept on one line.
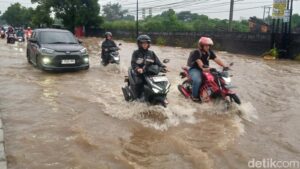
{"points": [[215, 85], [11, 38], [2, 34], [20, 39], [113, 56], [28, 35], [20, 36], [156, 88]]}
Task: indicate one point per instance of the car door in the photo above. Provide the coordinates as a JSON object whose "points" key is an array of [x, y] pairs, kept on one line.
{"points": [[34, 47]]}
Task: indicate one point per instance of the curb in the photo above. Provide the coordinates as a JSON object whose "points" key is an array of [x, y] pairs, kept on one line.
{"points": [[3, 163]]}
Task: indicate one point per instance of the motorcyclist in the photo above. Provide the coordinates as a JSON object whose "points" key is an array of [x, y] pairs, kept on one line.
{"points": [[106, 45], [199, 62], [28, 32], [10, 31], [138, 62]]}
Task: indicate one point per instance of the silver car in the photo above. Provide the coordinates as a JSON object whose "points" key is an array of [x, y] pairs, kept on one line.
{"points": [[55, 49]]}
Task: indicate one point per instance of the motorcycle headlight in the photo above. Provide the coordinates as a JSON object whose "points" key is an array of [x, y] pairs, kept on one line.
{"points": [[155, 90], [47, 51], [83, 51]]}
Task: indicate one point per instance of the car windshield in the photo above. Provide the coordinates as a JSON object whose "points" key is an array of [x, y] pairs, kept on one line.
{"points": [[57, 38]]}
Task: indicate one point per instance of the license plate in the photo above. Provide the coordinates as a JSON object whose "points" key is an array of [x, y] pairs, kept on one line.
{"points": [[68, 62], [160, 79]]}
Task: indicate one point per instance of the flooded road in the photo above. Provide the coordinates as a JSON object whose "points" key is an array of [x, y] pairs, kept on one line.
{"points": [[79, 120]]}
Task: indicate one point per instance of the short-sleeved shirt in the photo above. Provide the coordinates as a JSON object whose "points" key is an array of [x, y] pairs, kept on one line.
{"points": [[203, 56]]}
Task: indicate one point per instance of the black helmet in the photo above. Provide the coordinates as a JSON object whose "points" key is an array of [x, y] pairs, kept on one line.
{"points": [[107, 34], [143, 38]]}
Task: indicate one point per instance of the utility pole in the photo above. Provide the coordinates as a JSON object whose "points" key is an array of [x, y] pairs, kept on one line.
{"points": [[137, 18], [264, 13], [231, 15], [269, 14], [291, 18]]}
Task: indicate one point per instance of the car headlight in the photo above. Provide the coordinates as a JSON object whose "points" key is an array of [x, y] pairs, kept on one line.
{"points": [[46, 60], [83, 51], [86, 60], [47, 51]]}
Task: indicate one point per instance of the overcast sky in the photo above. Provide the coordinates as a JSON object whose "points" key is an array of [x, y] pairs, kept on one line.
{"points": [[213, 8]]}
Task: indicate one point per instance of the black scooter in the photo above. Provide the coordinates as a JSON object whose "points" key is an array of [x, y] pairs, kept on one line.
{"points": [[113, 56], [156, 88], [11, 38]]}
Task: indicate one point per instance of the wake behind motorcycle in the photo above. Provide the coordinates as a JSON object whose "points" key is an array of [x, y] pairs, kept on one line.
{"points": [[156, 88], [216, 85]]}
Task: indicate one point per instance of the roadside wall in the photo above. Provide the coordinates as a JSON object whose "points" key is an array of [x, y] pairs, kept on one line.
{"points": [[234, 42]]}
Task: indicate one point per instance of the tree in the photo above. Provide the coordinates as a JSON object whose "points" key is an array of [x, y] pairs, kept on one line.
{"points": [[296, 21], [41, 17], [17, 15], [74, 12], [187, 16], [114, 11]]}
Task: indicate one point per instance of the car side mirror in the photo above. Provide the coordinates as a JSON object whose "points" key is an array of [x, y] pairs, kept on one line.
{"points": [[32, 40], [166, 60], [80, 41]]}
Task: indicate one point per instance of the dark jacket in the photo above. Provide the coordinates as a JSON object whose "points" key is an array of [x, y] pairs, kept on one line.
{"points": [[108, 44], [203, 56], [140, 56]]}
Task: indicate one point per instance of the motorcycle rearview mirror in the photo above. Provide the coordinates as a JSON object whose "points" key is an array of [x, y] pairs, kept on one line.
{"points": [[166, 60]]}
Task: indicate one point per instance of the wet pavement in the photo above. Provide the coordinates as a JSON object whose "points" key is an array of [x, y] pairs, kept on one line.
{"points": [[79, 120]]}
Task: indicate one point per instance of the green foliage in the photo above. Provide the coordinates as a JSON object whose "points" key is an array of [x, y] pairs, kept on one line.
{"points": [[296, 21], [41, 17], [273, 52], [170, 21], [297, 58], [74, 12], [161, 41], [17, 15], [115, 12]]}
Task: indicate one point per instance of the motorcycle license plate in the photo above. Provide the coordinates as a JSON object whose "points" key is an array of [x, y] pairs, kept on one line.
{"points": [[160, 79], [68, 62]]}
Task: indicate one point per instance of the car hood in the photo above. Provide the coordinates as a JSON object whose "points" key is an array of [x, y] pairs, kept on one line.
{"points": [[63, 47]]}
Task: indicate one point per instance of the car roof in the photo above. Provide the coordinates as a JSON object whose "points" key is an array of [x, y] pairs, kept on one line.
{"points": [[51, 30]]}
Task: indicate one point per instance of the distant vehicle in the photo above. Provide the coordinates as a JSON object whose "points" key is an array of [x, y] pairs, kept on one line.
{"points": [[54, 49], [20, 35], [2, 33], [114, 56], [11, 38]]}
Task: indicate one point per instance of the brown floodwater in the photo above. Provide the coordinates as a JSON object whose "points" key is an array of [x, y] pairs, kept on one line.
{"points": [[79, 120]]}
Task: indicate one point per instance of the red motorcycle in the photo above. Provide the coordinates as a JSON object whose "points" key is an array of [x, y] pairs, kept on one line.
{"points": [[215, 85]]}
